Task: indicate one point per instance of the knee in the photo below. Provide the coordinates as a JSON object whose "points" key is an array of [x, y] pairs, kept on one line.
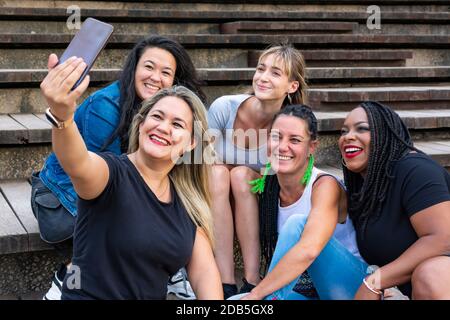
{"points": [[427, 278], [240, 177], [220, 181]]}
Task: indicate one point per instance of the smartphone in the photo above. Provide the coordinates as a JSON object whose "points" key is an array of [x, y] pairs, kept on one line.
{"points": [[87, 44]]}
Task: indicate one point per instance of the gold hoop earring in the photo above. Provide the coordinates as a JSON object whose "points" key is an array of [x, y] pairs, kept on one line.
{"points": [[343, 162]]}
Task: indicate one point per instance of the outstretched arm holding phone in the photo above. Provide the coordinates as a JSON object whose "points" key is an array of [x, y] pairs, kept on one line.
{"points": [[89, 172]]}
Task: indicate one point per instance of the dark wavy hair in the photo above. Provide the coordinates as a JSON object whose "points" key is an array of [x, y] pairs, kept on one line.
{"points": [[129, 102]]}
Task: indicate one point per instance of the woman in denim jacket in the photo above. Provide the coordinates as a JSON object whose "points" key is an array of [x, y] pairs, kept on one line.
{"points": [[103, 120]]}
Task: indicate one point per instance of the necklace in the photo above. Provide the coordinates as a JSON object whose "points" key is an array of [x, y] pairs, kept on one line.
{"points": [[164, 191]]}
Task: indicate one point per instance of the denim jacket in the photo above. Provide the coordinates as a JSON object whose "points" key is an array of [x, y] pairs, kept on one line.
{"points": [[96, 118]]}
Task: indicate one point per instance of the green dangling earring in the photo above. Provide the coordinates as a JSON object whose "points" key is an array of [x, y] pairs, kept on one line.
{"points": [[308, 172], [259, 184]]}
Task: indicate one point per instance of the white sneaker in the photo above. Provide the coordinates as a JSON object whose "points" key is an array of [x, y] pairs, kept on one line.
{"points": [[54, 293], [180, 286]]}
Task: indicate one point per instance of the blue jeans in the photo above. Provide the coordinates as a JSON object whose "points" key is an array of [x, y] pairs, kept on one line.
{"points": [[336, 273]]}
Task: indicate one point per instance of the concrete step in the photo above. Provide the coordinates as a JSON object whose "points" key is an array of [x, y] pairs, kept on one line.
{"points": [[29, 41], [230, 57], [19, 231], [144, 28], [316, 75], [135, 15], [238, 5], [327, 27], [30, 51], [402, 98], [347, 58], [290, 27]]}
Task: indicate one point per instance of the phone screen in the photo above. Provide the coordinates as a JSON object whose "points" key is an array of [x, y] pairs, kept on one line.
{"points": [[87, 44]]}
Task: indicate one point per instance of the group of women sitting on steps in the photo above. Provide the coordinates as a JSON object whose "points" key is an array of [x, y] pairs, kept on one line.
{"points": [[149, 182]]}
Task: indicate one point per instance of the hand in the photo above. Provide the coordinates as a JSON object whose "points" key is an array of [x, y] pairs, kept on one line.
{"points": [[364, 293], [394, 294], [251, 296], [56, 86]]}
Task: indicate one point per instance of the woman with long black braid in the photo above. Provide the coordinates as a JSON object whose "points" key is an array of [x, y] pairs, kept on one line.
{"points": [[307, 207], [399, 200]]}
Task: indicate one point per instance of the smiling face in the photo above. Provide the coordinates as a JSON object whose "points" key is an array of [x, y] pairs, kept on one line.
{"points": [[354, 142], [166, 132], [155, 70], [270, 81], [290, 145]]}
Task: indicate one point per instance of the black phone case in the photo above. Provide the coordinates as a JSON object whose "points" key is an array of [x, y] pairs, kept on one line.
{"points": [[87, 44]]}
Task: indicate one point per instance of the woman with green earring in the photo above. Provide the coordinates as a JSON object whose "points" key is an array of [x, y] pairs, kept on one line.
{"points": [[303, 212], [239, 125]]}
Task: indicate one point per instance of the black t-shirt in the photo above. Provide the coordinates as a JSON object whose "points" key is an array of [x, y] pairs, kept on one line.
{"points": [[419, 182], [127, 243]]}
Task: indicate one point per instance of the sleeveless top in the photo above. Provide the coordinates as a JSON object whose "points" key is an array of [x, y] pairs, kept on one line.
{"points": [[344, 232]]}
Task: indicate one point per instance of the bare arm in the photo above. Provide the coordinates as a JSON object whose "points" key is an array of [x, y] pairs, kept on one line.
{"points": [[432, 226], [318, 230], [89, 172], [202, 270]]}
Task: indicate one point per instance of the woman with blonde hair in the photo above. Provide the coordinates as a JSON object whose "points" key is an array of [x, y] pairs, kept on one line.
{"points": [[141, 217], [240, 126]]}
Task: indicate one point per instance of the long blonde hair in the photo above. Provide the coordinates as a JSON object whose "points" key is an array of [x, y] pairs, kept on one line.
{"points": [[294, 66], [190, 178]]}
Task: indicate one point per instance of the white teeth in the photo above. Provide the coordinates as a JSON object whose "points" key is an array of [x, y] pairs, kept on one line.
{"points": [[147, 85], [284, 157], [349, 150], [159, 140]]}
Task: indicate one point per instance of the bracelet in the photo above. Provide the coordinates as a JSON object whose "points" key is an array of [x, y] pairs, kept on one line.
{"points": [[56, 122], [378, 292]]}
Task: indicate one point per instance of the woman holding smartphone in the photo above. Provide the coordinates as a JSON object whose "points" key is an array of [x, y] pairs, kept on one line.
{"points": [[103, 120], [141, 216]]}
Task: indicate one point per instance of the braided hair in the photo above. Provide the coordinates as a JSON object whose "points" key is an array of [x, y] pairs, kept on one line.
{"points": [[269, 198], [389, 142]]}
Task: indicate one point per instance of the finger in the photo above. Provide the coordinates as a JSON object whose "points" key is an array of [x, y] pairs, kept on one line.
{"points": [[54, 69], [52, 61], [67, 71], [387, 293], [75, 75], [56, 75], [81, 88]]}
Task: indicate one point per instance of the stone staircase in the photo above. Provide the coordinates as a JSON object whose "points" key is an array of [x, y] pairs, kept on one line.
{"points": [[405, 64]]}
